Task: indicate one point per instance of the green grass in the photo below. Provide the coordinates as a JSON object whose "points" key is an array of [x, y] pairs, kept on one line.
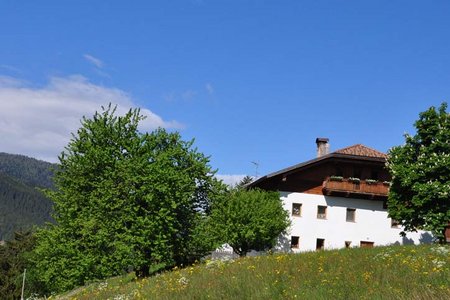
{"points": [[397, 272]]}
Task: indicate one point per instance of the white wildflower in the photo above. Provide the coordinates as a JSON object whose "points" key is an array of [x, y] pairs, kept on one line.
{"points": [[102, 285], [183, 281], [438, 263], [441, 250], [384, 255], [120, 297]]}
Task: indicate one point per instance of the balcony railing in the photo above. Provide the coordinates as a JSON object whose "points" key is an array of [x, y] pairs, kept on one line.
{"points": [[354, 188]]}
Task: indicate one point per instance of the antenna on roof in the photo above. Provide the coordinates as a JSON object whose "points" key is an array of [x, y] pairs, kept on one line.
{"points": [[256, 168]]}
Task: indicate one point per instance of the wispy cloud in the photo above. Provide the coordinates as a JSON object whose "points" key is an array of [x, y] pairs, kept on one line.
{"points": [[102, 73], [94, 60], [8, 81], [11, 68], [169, 97], [188, 95], [209, 88], [38, 121], [230, 180]]}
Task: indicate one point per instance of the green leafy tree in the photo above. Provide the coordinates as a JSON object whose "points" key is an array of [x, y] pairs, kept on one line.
{"points": [[123, 200], [419, 197], [249, 220]]}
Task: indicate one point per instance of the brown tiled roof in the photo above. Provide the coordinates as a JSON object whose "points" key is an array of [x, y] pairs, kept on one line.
{"points": [[361, 150]]}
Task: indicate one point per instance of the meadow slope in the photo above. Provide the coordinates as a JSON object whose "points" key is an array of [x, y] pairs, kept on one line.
{"points": [[396, 272]]}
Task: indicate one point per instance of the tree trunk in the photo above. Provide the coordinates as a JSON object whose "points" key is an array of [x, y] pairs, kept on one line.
{"points": [[142, 272], [446, 235], [242, 252]]}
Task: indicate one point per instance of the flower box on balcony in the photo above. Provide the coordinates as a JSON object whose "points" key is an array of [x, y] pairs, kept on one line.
{"points": [[371, 181], [355, 188], [354, 179], [336, 178]]}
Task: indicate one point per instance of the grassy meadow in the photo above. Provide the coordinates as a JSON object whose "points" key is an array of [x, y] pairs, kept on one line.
{"points": [[396, 272]]}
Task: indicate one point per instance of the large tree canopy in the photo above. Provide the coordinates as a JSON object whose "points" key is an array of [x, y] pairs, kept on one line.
{"points": [[419, 196], [123, 200], [249, 220]]}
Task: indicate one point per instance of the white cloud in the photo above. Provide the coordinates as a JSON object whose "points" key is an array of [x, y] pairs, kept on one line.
{"points": [[230, 180], [38, 121], [93, 60]]}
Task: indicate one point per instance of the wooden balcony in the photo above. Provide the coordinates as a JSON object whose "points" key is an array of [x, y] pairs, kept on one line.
{"points": [[352, 189]]}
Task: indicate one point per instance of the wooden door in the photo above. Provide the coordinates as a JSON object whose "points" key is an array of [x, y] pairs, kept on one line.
{"points": [[365, 244]]}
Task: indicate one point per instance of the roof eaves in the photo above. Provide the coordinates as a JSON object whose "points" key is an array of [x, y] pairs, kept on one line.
{"points": [[316, 160], [291, 168]]}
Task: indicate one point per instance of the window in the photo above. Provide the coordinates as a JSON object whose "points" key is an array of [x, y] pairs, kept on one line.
{"points": [[295, 241], [395, 223], [365, 244], [348, 244], [320, 244], [321, 212], [296, 209], [351, 215]]}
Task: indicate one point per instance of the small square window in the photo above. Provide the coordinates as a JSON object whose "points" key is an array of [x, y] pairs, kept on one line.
{"points": [[395, 223], [296, 209], [351, 212], [295, 240], [320, 244], [321, 212]]}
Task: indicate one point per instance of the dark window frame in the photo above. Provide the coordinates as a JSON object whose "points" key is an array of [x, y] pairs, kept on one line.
{"points": [[299, 207], [350, 212], [322, 216]]}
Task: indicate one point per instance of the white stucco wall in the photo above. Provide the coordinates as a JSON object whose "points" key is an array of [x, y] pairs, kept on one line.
{"points": [[371, 223]]}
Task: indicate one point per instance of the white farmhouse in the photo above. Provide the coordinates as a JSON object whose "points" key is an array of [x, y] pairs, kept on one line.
{"points": [[338, 200]]}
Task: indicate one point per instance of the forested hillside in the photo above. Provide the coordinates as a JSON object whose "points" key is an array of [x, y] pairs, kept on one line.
{"points": [[22, 205], [30, 171]]}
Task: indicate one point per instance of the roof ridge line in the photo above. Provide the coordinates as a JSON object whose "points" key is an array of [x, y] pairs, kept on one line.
{"points": [[336, 151], [361, 150]]}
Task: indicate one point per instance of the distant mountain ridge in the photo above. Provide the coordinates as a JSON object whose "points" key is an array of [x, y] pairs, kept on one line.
{"points": [[28, 170], [22, 204]]}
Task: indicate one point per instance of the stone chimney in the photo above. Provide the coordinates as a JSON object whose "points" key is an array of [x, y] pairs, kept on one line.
{"points": [[323, 148]]}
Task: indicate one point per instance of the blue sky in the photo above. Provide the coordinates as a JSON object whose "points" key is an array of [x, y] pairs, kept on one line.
{"points": [[249, 80]]}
